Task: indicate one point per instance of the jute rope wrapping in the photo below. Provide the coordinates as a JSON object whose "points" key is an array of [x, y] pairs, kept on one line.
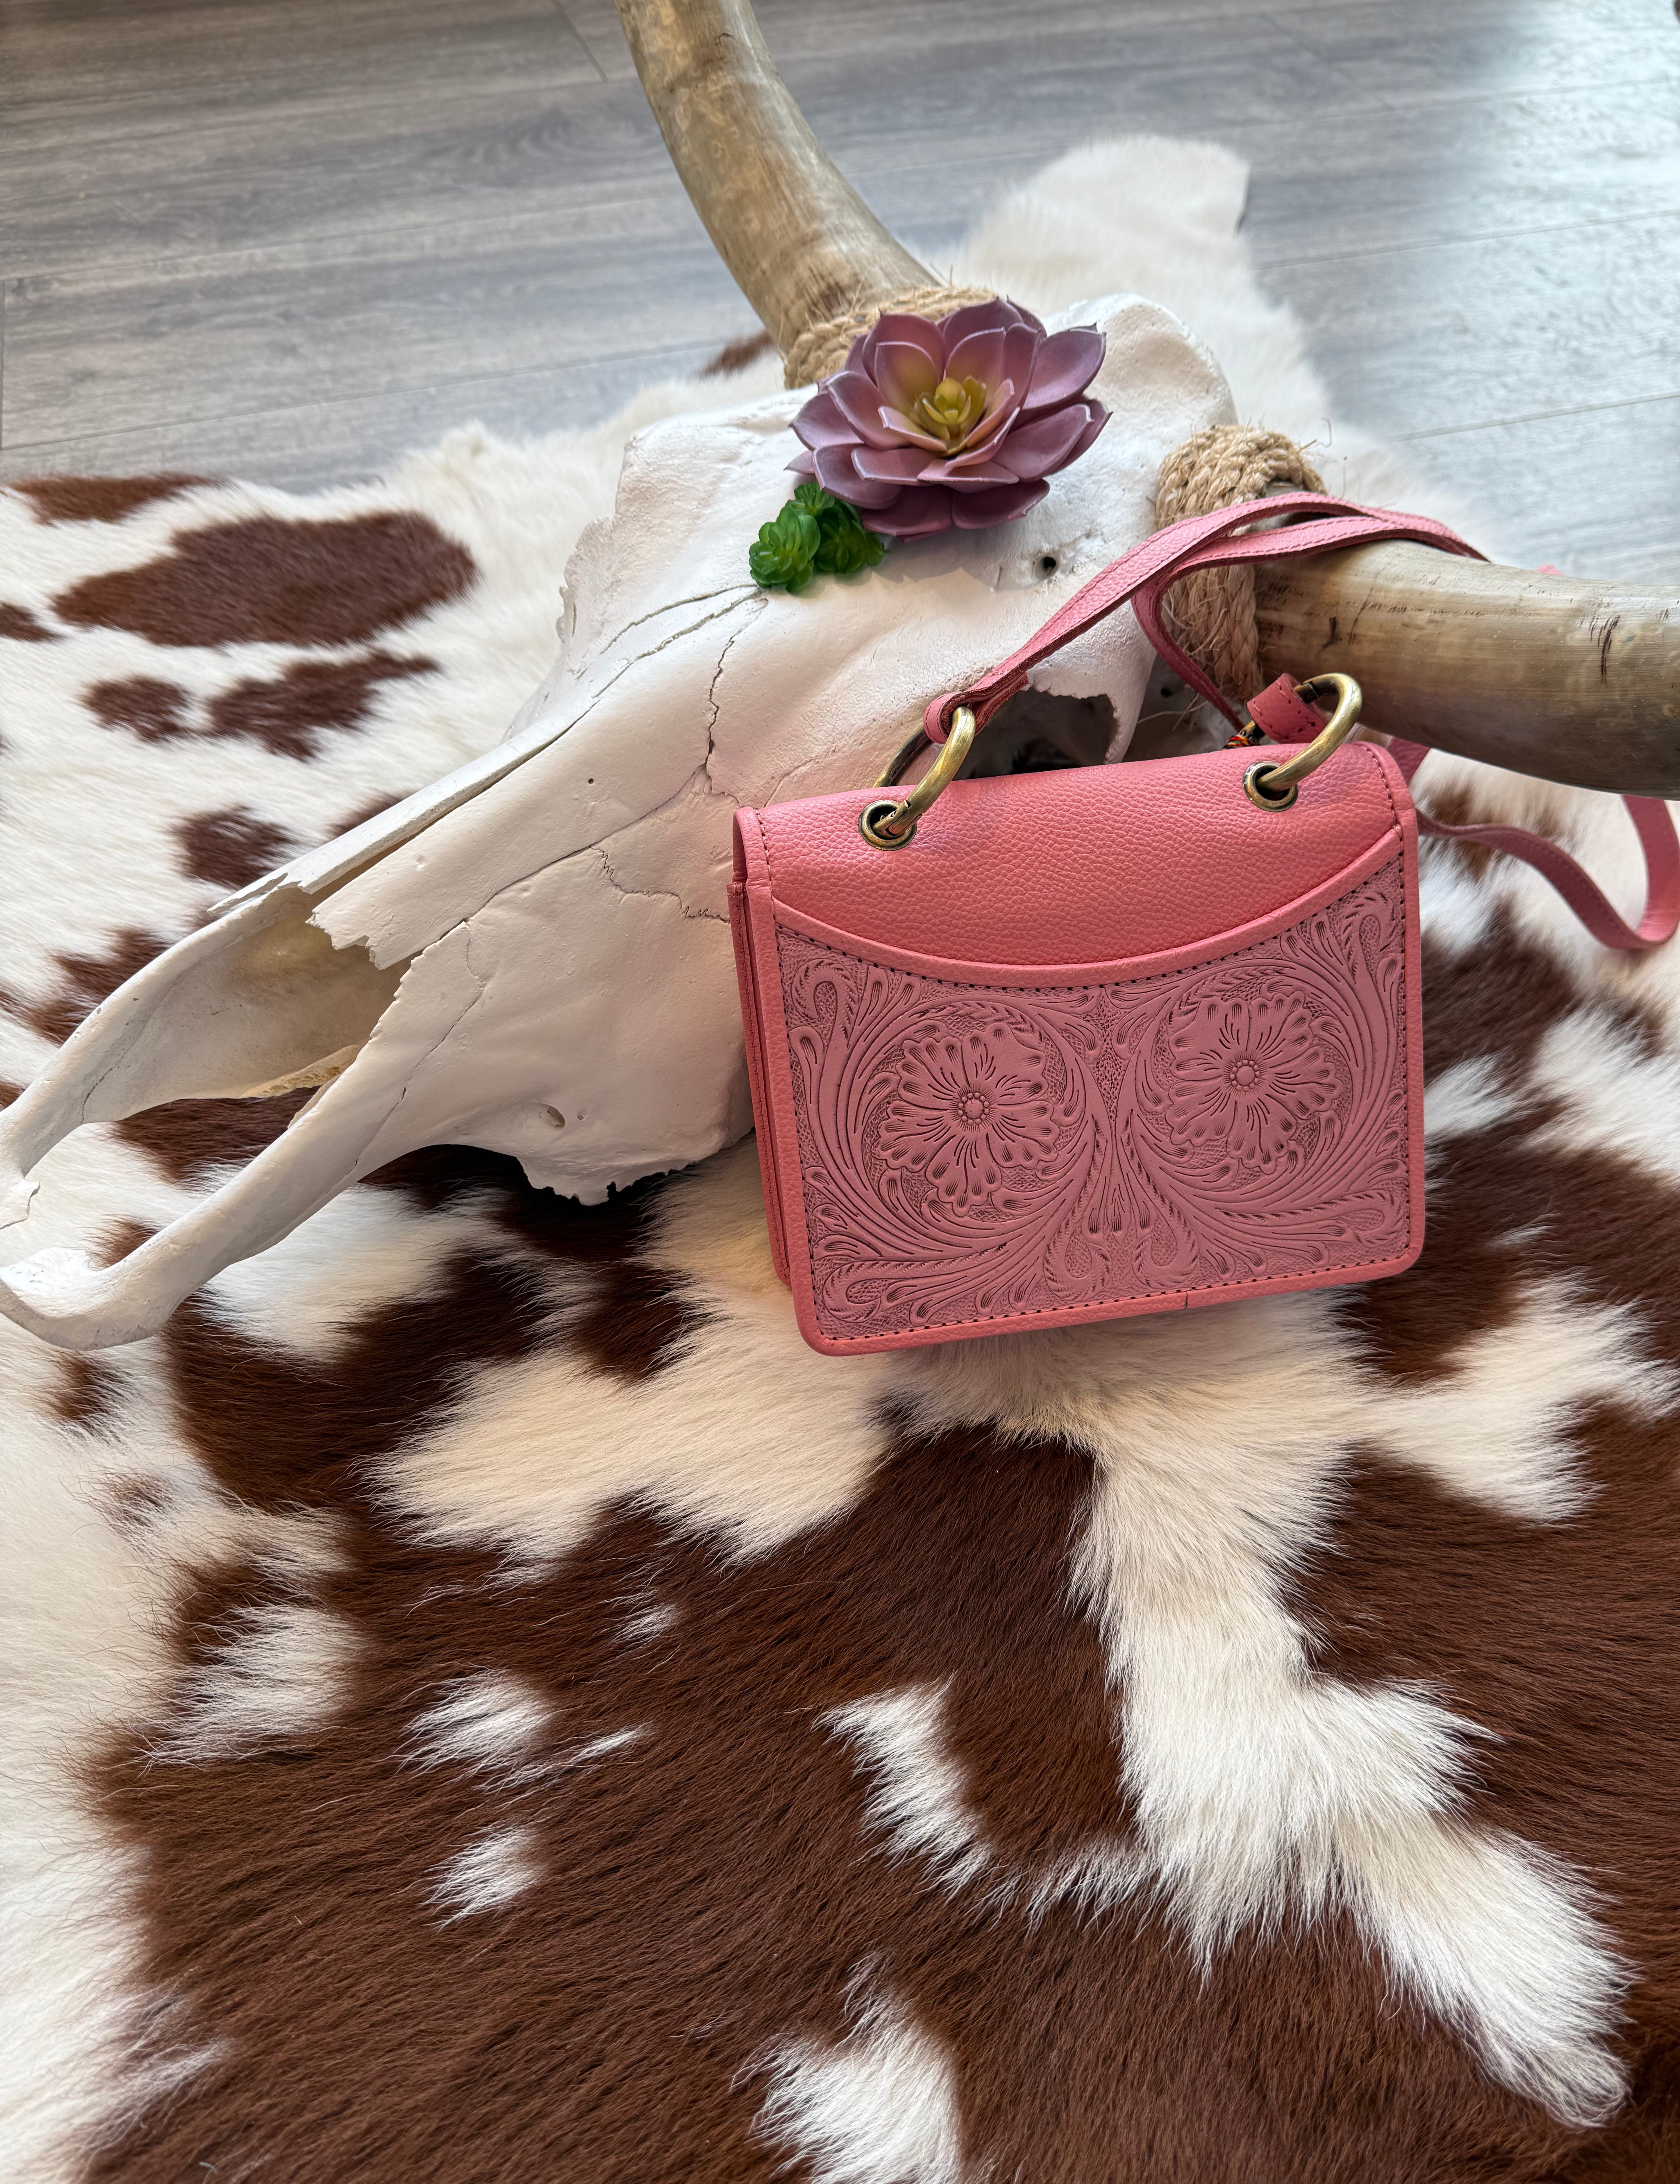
{"points": [[1212, 614], [820, 350]]}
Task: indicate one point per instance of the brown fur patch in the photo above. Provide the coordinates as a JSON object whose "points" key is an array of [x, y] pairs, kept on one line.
{"points": [[364, 812], [145, 705], [1592, 1219], [1561, 1640], [88, 1389], [188, 1138], [1642, 2146], [135, 1505], [89, 979], [714, 1889], [289, 714], [19, 624], [270, 581], [737, 355], [1502, 1214], [231, 848], [1470, 1012], [119, 1240], [102, 499], [279, 1431], [641, 1322]]}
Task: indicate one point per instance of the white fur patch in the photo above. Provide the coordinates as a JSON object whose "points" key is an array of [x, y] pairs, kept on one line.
{"points": [[1261, 1787], [1616, 1098], [492, 1869], [879, 2107], [1465, 1099], [283, 1676], [569, 1439], [918, 1800], [915, 1796], [1496, 1426], [362, 1252], [493, 1723], [86, 1601]]}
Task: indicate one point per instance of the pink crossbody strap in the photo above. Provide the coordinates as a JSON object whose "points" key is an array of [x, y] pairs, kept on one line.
{"points": [[1286, 718], [1204, 541]]}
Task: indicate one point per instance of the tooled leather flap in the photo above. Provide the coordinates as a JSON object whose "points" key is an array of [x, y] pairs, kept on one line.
{"points": [[1036, 875]]}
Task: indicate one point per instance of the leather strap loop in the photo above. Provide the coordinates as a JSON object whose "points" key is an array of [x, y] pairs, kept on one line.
{"points": [[1150, 570], [1288, 718]]}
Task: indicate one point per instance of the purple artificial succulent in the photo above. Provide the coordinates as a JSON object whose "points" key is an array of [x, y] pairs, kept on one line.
{"points": [[959, 422]]}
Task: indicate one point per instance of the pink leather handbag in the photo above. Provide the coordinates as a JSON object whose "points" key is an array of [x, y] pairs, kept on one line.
{"points": [[1111, 1040]]}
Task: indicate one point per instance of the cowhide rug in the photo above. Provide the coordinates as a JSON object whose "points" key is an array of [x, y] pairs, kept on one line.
{"points": [[483, 1702]]}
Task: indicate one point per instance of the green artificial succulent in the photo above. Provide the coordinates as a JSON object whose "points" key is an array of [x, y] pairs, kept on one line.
{"points": [[815, 535], [786, 551]]}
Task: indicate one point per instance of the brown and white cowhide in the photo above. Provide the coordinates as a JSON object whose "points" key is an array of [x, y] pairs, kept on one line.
{"points": [[483, 1702]]}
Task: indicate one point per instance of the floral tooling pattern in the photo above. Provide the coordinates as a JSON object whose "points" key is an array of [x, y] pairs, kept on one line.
{"points": [[971, 1153]]}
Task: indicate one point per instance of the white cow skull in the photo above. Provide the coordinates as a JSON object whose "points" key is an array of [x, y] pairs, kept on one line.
{"points": [[533, 954]]}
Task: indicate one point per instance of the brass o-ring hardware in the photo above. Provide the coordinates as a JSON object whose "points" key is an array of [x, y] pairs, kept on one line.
{"points": [[871, 824], [1274, 786], [1254, 780], [889, 822]]}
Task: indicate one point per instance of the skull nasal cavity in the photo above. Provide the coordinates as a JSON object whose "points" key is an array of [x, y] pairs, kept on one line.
{"points": [[269, 580]]}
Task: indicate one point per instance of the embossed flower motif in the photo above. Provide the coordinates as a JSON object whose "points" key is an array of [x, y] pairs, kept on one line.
{"points": [[970, 1110], [1249, 1073]]}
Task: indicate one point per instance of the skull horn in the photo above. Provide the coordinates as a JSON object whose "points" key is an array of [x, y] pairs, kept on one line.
{"points": [[803, 245], [1571, 678]]}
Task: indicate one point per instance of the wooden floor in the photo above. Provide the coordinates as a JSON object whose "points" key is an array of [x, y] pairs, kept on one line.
{"points": [[291, 237]]}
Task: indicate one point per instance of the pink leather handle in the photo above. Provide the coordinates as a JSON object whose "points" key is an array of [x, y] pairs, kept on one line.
{"points": [[1199, 541]]}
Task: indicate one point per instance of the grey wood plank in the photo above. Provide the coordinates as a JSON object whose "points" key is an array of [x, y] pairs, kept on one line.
{"points": [[321, 443], [800, 29], [242, 178], [278, 329], [171, 65], [1565, 157], [407, 301], [1455, 50], [1450, 335], [318, 231], [1592, 490], [1574, 157], [288, 178]]}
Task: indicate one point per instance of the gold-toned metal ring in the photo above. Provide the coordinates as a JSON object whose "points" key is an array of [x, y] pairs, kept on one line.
{"points": [[1267, 784], [889, 825], [872, 823], [1256, 787]]}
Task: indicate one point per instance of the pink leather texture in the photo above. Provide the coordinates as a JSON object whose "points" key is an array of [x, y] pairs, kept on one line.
{"points": [[1055, 877], [1117, 1042], [1113, 1041]]}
